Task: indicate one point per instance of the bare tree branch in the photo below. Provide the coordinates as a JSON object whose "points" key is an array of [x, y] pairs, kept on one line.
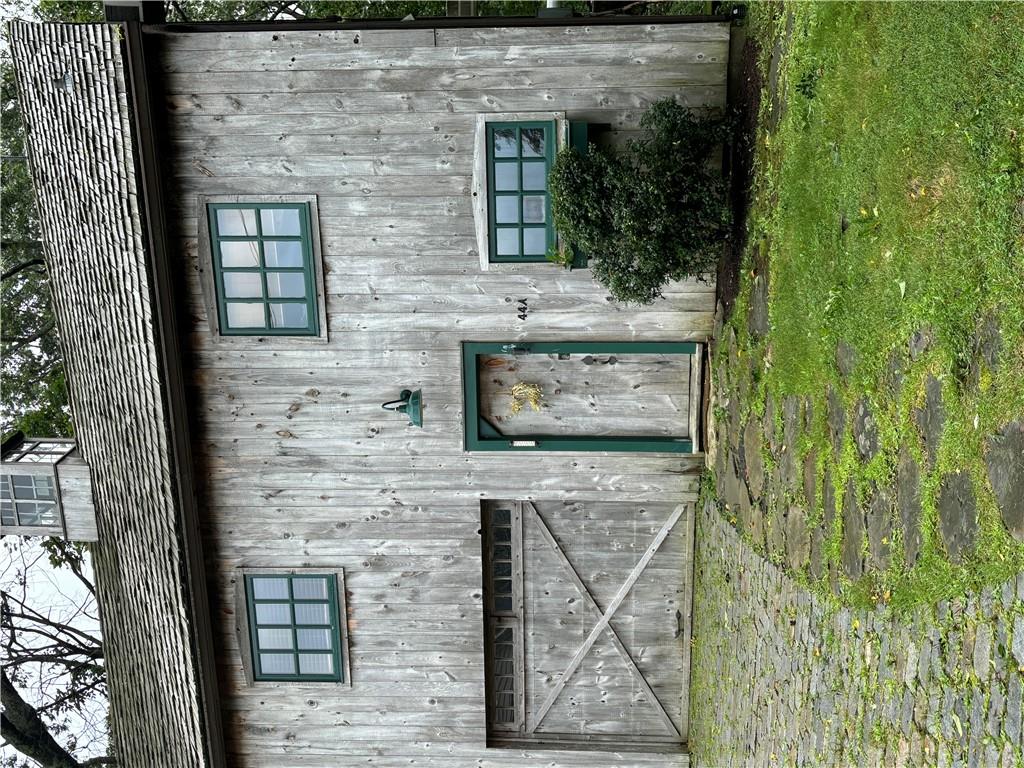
{"points": [[178, 9], [21, 268], [30, 614], [20, 342], [25, 730], [72, 694]]}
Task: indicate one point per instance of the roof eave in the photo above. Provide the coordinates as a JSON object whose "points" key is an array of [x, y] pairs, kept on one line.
{"points": [[150, 184]]}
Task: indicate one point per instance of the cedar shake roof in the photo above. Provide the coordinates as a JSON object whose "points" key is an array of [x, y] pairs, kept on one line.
{"points": [[75, 103]]}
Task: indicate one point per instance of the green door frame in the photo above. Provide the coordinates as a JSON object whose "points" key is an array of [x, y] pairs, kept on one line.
{"points": [[481, 435]]}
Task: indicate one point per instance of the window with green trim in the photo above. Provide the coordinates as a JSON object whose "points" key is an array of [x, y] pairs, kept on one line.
{"points": [[264, 275], [519, 157], [672, 428], [295, 630]]}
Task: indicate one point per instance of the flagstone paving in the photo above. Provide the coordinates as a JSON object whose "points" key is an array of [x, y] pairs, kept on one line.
{"points": [[782, 677], [858, 595]]}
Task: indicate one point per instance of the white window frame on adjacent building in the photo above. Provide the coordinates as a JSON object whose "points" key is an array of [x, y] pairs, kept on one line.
{"points": [[34, 460]]}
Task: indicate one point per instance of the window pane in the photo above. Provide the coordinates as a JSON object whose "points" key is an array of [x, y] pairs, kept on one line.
{"points": [[316, 663], [503, 635], [277, 664], [535, 176], [503, 534], [502, 569], [234, 221], [288, 316], [534, 209], [506, 209], [247, 315], [264, 588], [535, 242], [275, 638], [7, 513], [502, 516], [503, 552], [5, 487], [48, 513], [239, 253], [33, 487], [27, 514], [506, 177], [312, 613], [282, 253], [44, 487], [23, 487], [503, 586], [286, 285], [280, 221], [508, 242], [243, 285], [37, 513], [503, 603], [273, 613], [314, 639], [533, 142], [504, 142], [309, 589]]}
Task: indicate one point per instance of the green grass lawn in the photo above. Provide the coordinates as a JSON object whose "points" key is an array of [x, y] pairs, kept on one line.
{"points": [[903, 124]]}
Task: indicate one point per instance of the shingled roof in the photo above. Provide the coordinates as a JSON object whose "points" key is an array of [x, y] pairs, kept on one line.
{"points": [[76, 106]]}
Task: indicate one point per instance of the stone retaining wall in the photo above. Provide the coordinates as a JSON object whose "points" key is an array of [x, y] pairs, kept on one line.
{"points": [[782, 678]]}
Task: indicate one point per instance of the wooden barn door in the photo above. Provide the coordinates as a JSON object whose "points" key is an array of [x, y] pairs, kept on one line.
{"points": [[598, 637]]}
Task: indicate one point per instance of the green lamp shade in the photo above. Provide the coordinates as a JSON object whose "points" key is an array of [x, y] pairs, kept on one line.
{"points": [[413, 407], [411, 404]]}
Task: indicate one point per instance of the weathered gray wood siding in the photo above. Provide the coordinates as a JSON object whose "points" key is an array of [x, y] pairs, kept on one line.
{"points": [[75, 481], [303, 466]]}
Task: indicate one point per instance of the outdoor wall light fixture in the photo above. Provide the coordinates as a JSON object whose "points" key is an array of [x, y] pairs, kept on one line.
{"points": [[411, 404]]}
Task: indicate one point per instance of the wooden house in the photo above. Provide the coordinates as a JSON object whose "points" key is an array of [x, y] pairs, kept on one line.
{"points": [[259, 234]]}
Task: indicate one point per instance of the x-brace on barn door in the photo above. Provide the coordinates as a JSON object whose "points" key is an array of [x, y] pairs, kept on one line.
{"points": [[579, 676]]}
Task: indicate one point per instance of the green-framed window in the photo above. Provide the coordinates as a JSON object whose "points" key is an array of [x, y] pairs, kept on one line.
{"points": [[295, 630], [519, 157], [482, 435], [264, 274]]}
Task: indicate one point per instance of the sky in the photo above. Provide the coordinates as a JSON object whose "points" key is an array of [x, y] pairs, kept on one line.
{"points": [[58, 594]]}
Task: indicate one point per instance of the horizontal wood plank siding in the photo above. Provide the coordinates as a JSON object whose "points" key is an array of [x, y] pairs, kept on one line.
{"points": [[75, 481], [303, 467]]}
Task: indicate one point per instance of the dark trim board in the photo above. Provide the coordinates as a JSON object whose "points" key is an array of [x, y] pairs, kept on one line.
{"points": [[589, 743], [429, 22], [481, 435], [154, 225]]}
